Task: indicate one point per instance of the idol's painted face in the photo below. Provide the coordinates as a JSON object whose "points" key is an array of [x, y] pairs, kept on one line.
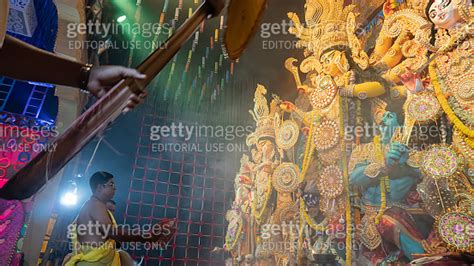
{"points": [[388, 125], [444, 13], [328, 62]]}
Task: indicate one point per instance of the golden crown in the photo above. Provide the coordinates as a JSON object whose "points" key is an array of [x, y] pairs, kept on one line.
{"points": [[326, 25], [263, 115]]}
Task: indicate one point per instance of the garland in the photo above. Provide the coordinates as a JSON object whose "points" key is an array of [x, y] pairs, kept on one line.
{"points": [[227, 238], [309, 220], [458, 124], [384, 181], [258, 215], [346, 180], [309, 149], [462, 114]]}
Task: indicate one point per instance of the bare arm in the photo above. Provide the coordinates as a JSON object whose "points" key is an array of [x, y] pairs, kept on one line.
{"points": [[20, 60]]}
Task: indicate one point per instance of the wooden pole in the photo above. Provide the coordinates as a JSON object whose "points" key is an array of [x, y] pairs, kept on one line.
{"points": [[47, 164]]}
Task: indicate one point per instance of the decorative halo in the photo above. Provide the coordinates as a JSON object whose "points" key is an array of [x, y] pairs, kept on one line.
{"points": [[440, 162], [287, 135], [326, 135], [453, 228], [423, 108], [330, 183], [324, 95], [285, 177]]}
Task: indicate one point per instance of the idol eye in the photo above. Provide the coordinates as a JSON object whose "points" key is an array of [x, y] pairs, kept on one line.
{"points": [[433, 14]]}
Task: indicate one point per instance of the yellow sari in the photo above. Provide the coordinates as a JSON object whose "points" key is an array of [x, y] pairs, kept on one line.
{"points": [[84, 255]]}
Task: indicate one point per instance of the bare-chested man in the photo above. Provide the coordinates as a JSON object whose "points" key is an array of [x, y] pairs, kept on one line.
{"points": [[97, 231]]}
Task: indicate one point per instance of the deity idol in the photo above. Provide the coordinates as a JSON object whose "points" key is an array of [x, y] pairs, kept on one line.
{"points": [[240, 235], [341, 85], [452, 72], [386, 175]]}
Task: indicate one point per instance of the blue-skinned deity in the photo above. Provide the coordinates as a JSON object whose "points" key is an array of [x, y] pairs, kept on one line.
{"points": [[387, 230]]}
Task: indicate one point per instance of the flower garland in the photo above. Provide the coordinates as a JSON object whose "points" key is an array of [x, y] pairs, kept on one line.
{"points": [[462, 114], [258, 215], [309, 149], [346, 181], [384, 181], [230, 246], [317, 227], [458, 124]]}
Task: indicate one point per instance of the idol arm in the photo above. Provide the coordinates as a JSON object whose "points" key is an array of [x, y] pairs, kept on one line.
{"points": [[370, 89]]}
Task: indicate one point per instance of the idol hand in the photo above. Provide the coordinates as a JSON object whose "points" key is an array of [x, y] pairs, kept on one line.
{"points": [[398, 154]]}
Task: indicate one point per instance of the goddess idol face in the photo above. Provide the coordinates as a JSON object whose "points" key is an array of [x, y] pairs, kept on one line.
{"points": [[444, 13]]}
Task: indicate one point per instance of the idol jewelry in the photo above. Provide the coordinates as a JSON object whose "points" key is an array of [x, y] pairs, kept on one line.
{"points": [[326, 135], [287, 134], [285, 177], [455, 229], [331, 183]]}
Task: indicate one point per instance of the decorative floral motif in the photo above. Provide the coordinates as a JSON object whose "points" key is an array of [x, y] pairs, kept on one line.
{"points": [[326, 135], [285, 177], [423, 108], [330, 183], [453, 227], [440, 162], [287, 135], [324, 95]]}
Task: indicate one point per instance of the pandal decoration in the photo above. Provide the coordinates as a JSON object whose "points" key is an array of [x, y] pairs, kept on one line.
{"points": [[285, 177], [287, 135], [324, 95], [458, 124], [331, 182], [326, 135], [423, 108], [440, 161], [454, 229]]}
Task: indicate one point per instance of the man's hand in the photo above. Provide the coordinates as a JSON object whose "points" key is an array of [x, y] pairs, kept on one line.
{"points": [[103, 78]]}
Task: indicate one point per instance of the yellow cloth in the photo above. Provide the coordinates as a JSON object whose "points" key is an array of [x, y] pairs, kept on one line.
{"points": [[106, 254]]}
